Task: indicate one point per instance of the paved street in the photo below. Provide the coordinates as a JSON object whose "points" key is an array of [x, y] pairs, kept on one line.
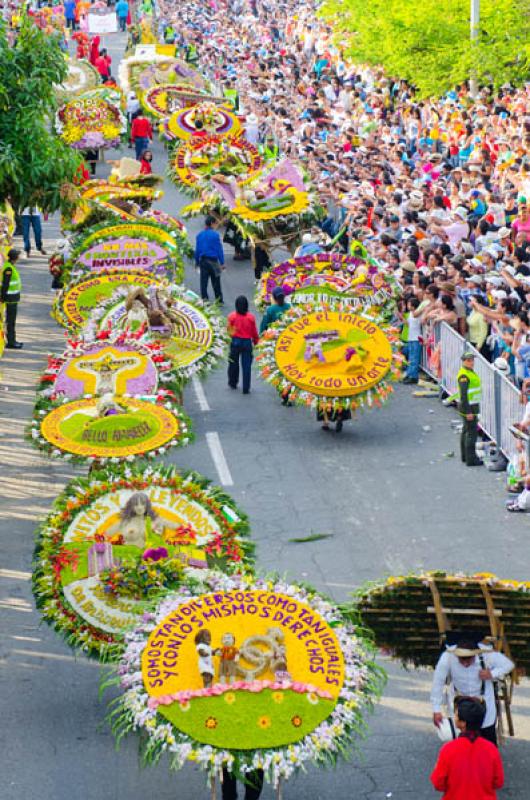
{"points": [[387, 491]]}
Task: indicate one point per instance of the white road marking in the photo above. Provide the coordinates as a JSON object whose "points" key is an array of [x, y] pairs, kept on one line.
{"points": [[199, 394], [15, 574], [218, 458]]}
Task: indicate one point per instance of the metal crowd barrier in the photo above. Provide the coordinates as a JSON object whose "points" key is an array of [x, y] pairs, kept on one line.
{"points": [[501, 400]]}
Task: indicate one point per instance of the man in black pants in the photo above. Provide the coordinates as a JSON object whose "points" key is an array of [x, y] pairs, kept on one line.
{"points": [[253, 785], [210, 258], [10, 295]]}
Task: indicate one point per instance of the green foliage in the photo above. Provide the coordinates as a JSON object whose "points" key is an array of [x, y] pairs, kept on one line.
{"points": [[34, 163], [428, 43]]}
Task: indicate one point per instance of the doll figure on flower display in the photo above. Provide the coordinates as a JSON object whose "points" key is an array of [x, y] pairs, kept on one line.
{"points": [[139, 521], [203, 645], [136, 517], [229, 656]]}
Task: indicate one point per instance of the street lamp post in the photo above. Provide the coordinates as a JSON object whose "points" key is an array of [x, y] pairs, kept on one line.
{"points": [[474, 30]]}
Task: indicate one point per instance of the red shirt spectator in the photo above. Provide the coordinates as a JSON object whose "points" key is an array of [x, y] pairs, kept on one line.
{"points": [[141, 129], [103, 63], [468, 768], [145, 163], [243, 326]]}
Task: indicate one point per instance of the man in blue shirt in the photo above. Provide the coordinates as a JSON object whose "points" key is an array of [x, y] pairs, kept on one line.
{"points": [[122, 12], [210, 258], [69, 14]]}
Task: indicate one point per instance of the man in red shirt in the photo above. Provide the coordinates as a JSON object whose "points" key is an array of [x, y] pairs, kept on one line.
{"points": [[102, 64], [141, 134], [470, 767]]}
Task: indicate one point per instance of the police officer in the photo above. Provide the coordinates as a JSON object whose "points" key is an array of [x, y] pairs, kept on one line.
{"points": [[10, 290], [468, 396]]}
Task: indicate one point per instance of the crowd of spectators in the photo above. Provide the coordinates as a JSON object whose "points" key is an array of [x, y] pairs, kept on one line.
{"points": [[435, 190]]}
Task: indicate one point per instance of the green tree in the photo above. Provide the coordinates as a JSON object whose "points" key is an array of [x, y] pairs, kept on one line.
{"points": [[34, 162], [427, 42]]}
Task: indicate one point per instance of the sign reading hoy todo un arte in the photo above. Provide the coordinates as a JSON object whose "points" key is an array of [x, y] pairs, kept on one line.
{"points": [[333, 353], [120, 253]]}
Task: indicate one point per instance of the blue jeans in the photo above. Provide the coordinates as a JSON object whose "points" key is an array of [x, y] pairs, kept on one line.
{"points": [[240, 349], [141, 143], [413, 351], [31, 221]]}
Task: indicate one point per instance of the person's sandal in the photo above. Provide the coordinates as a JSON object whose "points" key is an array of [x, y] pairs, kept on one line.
{"points": [[514, 508]]}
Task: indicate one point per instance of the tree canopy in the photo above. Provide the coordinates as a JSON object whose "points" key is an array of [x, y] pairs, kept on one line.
{"points": [[427, 42], [34, 162]]}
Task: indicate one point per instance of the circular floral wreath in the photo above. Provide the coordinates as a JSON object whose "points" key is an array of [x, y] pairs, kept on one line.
{"points": [[103, 322], [46, 387], [247, 160], [363, 682], [119, 277], [161, 231], [363, 284], [270, 372], [199, 120], [81, 77], [227, 548], [165, 400], [155, 100], [90, 122], [143, 74]]}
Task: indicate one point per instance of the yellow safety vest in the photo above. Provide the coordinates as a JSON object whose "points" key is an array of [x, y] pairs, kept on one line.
{"points": [[15, 284]]}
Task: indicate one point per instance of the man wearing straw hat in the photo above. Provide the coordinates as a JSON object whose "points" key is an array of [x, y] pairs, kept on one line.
{"points": [[470, 667]]}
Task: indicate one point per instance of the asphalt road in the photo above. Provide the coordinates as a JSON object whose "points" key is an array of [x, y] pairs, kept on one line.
{"points": [[386, 490]]}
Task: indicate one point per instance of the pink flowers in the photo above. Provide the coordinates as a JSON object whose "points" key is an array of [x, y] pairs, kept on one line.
{"points": [[219, 689]]}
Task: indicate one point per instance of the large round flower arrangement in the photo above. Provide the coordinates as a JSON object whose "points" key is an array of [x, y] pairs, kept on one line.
{"points": [[296, 693], [323, 277], [200, 159], [108, 428], [142, 74], [162, 101], [133, 244], [81, 77], [96, 566], [75, 303], [161, 229], [90, 122], [330, 359], [194, 334], [122, 365], [200, 120]]}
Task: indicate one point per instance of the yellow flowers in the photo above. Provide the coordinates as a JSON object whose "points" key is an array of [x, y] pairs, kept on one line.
{"points": [[277, 697], [264, 722], [230, 698], [72, 133]]}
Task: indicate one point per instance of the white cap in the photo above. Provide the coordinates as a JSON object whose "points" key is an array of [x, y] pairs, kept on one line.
{"points": [[501, 364], [499, 294], [461, 212]]}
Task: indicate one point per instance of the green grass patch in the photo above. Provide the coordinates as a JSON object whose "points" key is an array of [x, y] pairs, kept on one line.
{"points": [[241, 720]]}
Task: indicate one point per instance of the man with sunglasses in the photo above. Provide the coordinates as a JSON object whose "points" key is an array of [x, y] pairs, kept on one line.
{"points": [[471, 668]]}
